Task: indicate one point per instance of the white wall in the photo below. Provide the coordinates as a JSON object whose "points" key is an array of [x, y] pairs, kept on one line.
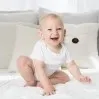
{"points": [[55, 5], [69, 5], [9, 4], [87, 5], [18, 5], [31, 4], [59, 5]]}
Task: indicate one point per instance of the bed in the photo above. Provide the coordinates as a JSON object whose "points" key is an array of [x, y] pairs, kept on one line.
{"points": [[12, 87], [82, 26]]}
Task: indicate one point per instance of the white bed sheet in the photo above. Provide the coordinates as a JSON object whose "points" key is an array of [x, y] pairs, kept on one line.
{"points": [[12, 87]]}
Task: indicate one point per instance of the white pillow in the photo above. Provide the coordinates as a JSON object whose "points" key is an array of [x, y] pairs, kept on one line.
{"points": [[25, 40], [19, 16], [27, 24], [86, 47], [73, 18], [7, 41]]}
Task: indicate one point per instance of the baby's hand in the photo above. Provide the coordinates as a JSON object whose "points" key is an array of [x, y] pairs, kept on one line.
{"points": [[49, 90], [84, 79]]}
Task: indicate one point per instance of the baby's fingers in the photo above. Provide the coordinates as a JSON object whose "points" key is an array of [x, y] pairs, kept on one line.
{"points": [[88, 79], [82, 80], [85, 79], [49, 93]]}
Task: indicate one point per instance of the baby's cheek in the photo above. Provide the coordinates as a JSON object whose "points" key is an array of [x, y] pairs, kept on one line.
{"points": [[63, 37]]}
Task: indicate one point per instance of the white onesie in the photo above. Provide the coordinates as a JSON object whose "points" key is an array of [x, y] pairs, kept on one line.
{"points": [[51, 59]]}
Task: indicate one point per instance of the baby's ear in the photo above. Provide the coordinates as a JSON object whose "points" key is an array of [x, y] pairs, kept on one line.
{"points": [[40, 33], [64, 32]]}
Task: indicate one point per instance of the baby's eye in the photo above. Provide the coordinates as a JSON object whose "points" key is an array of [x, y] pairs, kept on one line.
{"points": [[59, 28], [49, 29]]}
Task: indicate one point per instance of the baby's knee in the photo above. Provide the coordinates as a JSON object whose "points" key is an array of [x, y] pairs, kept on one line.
{"points": [[23, 61], [66, 79], [31, 83]]}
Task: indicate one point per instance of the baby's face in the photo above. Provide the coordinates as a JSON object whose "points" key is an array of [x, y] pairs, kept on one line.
{"points": [[53, 31]]}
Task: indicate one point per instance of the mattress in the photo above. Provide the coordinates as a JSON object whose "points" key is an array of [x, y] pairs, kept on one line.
{"points": [[12, 87]]}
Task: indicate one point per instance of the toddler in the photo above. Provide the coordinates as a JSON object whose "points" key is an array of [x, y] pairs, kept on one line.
{"points": [[49, 53]]}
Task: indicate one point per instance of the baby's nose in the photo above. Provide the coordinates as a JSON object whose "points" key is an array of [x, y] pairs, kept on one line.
{"points": [[55, 31]]}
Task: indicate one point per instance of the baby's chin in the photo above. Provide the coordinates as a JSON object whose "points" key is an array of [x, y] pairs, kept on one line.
{"points": [[55, 43]]}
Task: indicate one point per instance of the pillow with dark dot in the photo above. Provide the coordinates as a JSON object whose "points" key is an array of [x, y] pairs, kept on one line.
{"points": [[81, 41], [75, 40]]}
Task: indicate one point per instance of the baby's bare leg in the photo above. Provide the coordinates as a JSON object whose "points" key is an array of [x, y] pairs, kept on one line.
{"points": [[56, 78], [59, 77], [26, 69]]}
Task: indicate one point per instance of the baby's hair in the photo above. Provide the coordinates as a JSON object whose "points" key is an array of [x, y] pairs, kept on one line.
{"points": [[51, 15]]}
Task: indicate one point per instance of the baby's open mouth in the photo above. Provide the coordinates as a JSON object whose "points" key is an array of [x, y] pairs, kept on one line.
{"points": [[54, 38]]}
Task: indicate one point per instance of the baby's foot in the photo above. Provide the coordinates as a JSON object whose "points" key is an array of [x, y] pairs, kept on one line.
{"points": [[33, 84], [26, 85], [39, 85]]}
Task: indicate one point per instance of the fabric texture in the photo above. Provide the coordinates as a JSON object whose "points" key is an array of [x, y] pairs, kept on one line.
{"points": [[7, 41], [18, 16], [81, 41], [25, 40]]}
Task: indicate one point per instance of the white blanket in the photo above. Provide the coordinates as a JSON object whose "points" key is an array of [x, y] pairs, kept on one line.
{"points": [[12, 87]]}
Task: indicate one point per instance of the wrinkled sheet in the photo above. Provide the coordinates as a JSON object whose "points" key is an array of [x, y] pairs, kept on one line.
{"points": [[12, 87]]}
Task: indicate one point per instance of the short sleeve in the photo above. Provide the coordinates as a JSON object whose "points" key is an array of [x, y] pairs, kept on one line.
{"points": [[68, 56], [37, 52]]}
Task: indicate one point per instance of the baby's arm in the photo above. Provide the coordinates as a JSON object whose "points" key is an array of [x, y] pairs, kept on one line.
{"points": [[44, 80], [74, 70]]}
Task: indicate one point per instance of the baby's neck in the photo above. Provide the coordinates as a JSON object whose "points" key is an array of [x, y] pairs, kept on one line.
{"points": [[55, 49]]}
